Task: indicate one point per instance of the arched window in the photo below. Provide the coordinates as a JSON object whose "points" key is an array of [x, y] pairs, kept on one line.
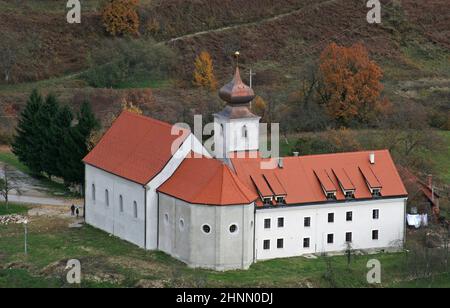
{"points": [[93, 192], [135, 209], [244, 131], [181, 224], [106, 197], [121, 203]]}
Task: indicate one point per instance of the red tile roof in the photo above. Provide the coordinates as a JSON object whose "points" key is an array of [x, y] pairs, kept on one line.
{"points": [[275, 184], [135, 148], [343, 179], [207, 181], [298, 175]]}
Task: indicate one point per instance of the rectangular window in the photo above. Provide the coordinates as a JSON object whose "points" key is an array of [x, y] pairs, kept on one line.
{"points": [[266, 244], [348, 237], [330, 238], [349, 216], [280, 243], [307, 222], [331, 217], [267, 223], [375, 235], [306, 242], [280, 222], [376, 214]]}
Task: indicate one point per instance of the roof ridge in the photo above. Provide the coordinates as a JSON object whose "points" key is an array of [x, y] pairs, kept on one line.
{"points": [[236, 179], [148, 118], [335, 154]]}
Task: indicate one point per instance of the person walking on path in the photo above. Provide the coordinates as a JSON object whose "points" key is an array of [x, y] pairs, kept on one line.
{"points": [[78, 212], [72, 209]]}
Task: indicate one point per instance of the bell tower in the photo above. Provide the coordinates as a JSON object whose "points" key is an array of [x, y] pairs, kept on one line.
{"points": [[236, 127]]}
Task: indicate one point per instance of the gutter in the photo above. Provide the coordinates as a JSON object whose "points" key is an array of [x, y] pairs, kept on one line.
{"points": [[330, 202]]}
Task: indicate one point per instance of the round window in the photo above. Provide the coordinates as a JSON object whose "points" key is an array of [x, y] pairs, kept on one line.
{"points": [[233, 228], [206, 229]]}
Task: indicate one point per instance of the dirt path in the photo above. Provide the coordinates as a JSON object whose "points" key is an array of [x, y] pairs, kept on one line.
{"points": [[32, 191], [250, 24]]}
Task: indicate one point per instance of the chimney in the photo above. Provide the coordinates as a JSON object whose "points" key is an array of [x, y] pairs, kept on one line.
{"points": [[372, 158], [280, 163], [296, 154]]}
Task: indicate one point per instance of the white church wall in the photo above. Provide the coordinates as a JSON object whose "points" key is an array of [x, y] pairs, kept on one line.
{"points": [[390, 225], [108, 216], [190, 144], [219, 249], [231, 138]]}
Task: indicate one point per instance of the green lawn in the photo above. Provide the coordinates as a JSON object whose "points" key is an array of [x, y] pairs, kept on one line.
{"points": [[10, 159], [12, 208], [109, 262]]}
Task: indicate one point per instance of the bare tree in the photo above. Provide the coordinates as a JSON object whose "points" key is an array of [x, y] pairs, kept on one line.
{"points": [[8, 56], [7, 184]]}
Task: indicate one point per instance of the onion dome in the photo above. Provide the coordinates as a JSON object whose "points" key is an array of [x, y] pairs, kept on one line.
{"points": [[236, 92]]}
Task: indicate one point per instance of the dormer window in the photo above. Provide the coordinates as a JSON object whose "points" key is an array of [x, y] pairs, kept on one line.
{"points": [[376, 192], [345, 183], [281, 200], [331, 195], [328, 187], [267, 201], [349, 194], [372, 181]]}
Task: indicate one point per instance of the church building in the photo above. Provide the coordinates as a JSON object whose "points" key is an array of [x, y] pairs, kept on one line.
{"points": [[156, 186]]}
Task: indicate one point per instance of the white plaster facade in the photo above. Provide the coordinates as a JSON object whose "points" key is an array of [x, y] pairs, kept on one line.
{"points": [[390, 226], [235, 135], [182, 236], [143, 229]]}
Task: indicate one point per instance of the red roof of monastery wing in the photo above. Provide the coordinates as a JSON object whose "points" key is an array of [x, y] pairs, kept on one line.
{"points": [[305, 178], [207, 181], [135, 148]]}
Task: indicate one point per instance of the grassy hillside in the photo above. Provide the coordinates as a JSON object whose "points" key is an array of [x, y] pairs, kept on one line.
{"points": [[278, 40]]}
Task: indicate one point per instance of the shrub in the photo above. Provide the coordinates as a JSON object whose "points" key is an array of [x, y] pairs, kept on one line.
{"points": [[120, 17], [126, 60]]}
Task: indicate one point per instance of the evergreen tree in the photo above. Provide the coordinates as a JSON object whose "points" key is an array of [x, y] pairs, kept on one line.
{"points": [[48, 134], [26, 142], [60, 129], [75, 146]]}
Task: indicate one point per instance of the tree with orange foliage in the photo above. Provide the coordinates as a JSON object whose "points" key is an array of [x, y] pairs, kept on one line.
{"points": [[351, 85], [204, 72], [120, 17], [259, 107]]}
